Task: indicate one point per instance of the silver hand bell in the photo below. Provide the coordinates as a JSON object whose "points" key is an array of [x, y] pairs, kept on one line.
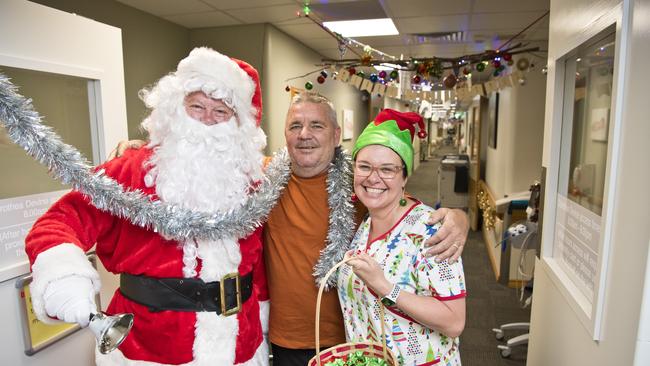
{"points": [[110, 330]]}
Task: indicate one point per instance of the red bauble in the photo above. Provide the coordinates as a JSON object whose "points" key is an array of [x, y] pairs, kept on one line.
{"points": [[507, 56], [467, 71], [422, 134], [496, 64], [320, 79], [416, 79], [450, 81], [352, 71]]}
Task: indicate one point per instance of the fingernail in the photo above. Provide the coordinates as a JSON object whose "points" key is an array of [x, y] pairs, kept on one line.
{"points": [[437, 260]]}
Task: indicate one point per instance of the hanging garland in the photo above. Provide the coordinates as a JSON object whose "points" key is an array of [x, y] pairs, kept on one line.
{"points": [[67, 165]]}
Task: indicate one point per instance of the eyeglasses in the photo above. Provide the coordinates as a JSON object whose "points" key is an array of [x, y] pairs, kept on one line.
{"points": [[388, 171]]}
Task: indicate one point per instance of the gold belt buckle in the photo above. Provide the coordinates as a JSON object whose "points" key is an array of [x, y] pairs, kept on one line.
{"points": [[235, 310]]}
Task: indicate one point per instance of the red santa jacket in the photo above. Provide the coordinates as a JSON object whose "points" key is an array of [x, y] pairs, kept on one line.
{"points": [[166, 337]]}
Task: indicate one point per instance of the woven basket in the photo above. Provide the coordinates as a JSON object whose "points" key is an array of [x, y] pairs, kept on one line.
{"points": [[369, 349]]}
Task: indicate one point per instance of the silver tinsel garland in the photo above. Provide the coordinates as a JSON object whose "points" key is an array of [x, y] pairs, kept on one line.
{"points": [[66, 164], [341, 216], [24, 127]]}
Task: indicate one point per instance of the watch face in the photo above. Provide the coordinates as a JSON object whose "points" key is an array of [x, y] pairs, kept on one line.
{"points": [[387, 302]]}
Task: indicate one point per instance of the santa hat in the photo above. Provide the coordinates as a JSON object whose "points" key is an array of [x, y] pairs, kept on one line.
{"points": [[394, 130], [233, 81]]}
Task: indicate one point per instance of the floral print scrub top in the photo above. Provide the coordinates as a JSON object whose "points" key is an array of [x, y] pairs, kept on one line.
{"points": [[400, 253]]}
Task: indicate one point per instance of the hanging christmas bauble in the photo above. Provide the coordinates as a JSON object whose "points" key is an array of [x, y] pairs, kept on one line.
{"points": [[507, 56], [320, 79], [352, 71], [361, 74], [523, 63], [496, 72], [422, 134], [466, 71], [323, 73], [450, 81], [309, 85], [374, 78], [480, 67], [365, 60], [335, 75], [421, 69], [416, 79], [394, 74], [287, 88], [496, 63], [382, 74]]}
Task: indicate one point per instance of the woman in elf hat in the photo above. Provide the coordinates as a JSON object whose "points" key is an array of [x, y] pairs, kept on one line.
{"points": [[425, 300]]}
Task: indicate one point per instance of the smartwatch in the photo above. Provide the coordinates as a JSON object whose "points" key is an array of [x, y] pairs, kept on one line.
{"points": [[391, 298]]}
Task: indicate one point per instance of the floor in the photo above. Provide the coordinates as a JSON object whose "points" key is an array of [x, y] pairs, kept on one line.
{"points": [[489, 303]]}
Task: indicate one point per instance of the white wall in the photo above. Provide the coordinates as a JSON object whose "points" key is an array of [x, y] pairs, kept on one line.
{"points": [[286, 58], [516, 162], [557, 335]]}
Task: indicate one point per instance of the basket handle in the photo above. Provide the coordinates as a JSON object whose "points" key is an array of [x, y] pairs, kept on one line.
{"points": [[321, 288]]}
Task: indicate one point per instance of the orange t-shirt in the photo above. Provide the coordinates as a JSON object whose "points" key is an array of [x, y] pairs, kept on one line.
{"points": [[294, 235]]}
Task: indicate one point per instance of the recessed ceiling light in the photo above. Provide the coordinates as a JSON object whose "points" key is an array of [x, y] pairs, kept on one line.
{"points": [[363, 28]]}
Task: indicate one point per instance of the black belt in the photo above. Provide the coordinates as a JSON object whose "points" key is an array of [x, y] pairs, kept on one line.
{"points": [[188, 294]]}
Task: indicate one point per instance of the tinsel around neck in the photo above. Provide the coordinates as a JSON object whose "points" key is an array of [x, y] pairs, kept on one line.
{"points": [[341, 216], [24, 127]]}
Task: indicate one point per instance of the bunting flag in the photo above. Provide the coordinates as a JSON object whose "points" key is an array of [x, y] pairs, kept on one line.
{"points": [[461, 91]]}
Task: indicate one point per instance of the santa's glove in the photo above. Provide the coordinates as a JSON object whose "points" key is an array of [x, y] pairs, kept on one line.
{"points": [[71, 299]]}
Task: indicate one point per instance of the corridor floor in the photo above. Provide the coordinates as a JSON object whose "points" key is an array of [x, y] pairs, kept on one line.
{"points": [[489, 303]]}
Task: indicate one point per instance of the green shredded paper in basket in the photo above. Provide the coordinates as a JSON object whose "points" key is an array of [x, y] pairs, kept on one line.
{"points": [[358, 359]]}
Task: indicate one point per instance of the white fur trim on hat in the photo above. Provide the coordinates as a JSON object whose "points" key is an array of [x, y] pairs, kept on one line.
{"points": [[56, 263]]}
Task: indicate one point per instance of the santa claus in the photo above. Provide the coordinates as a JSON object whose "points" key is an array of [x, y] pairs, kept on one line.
{"points": [[196, 302]]}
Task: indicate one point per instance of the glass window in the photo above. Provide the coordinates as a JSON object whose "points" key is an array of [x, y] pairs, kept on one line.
{"points": [[588, 82], [594, 68], [62, 101]]}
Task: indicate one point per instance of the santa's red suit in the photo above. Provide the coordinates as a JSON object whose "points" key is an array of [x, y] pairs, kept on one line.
{"points": [[58, 241], [166, 337]]}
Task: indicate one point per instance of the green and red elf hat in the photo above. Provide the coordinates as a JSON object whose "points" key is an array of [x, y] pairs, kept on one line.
{"points": [[396, 131]]}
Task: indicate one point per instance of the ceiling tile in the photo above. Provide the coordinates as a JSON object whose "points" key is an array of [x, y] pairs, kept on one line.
{"points": [[418, 8], [266, 14], [508, 6], [431, 24], [303, 31], [246, 4], [168, 7], [381, 41], [202, 20], [503, 20]]}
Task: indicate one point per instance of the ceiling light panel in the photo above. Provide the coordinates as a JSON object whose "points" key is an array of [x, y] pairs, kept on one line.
{"points": [[363, 28]]}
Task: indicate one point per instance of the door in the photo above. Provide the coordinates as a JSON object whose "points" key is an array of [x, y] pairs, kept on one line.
{"points": [[72, 69]]}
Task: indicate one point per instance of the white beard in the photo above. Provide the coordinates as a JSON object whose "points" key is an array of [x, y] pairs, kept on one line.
{"points": [[206, 168]]}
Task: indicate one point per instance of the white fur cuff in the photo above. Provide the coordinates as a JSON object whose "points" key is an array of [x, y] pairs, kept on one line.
{"points": [[53, 264]]}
